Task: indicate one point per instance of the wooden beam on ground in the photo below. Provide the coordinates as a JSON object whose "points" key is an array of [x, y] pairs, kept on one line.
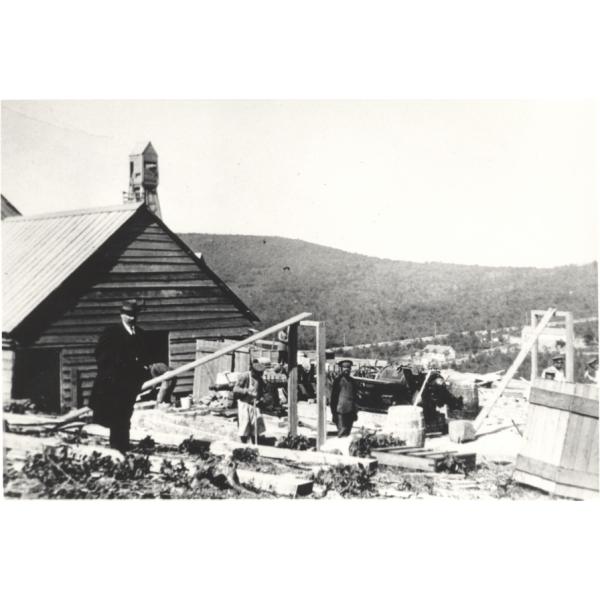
{"points": [[226, 350], [282, 485], [293, 379], [404, 461], [46, 420], [321, 375], [223, 447], [136, 435], [527, 346], [429, 461]]}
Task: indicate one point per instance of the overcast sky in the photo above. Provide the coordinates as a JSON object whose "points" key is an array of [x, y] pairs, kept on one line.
{"points": [[491, 183]]}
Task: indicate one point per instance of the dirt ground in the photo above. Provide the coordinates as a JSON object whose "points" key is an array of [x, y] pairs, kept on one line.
{"points": [[492, 478]]}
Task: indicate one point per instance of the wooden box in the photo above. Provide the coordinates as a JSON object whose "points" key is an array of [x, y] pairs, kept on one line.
{"points": [[560, 448]]}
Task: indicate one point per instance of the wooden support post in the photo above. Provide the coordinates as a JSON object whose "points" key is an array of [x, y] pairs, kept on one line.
{"points": [[321, 374], [534, 348], [569, 350], [293, 379]]}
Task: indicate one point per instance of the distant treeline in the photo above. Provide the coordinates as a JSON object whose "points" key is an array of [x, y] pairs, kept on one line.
{"points": [[365, 299]]}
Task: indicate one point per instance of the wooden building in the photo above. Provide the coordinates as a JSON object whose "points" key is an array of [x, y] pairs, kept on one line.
{"points": [[65, 277], [8, 210]]}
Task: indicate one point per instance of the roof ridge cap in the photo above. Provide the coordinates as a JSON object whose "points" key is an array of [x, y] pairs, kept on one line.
{"points": [[78, 211]]}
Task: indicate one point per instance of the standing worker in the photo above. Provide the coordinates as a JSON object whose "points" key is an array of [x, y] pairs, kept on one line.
{"points": [[248, 391], [557, 370], [591, 373], [344, 396], [282, 347], [121, 358]]}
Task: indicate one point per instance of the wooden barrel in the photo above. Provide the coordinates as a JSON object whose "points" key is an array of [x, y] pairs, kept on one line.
{"points": [[560, 447], [406, 423], [469, 393]]}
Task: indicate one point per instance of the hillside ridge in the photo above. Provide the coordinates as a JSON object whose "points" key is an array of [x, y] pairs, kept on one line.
{"points": [[365, 299]]}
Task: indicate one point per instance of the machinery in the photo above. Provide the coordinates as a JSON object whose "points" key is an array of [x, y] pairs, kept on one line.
{"points": [[400, 384]]}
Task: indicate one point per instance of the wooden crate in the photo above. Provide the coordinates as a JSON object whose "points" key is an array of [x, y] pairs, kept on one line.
{"points": [[419, 459], [560, 448]]}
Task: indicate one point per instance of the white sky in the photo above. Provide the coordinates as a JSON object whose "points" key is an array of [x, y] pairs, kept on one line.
{"points": [[494, 183]]}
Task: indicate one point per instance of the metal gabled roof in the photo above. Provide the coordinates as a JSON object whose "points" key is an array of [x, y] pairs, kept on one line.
{"points": [[39, 252]]}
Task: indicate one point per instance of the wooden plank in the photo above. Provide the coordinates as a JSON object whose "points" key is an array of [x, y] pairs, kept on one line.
{"points": [[400, 449], [581, 442], [282, 485], [223, 447], [74, 387], [14, 419], [574, 492], [534, 349], [404, 461], [138, 285], [306, 323], [559, 398], [534, 481], [205, 375], [121, 294], [557, 473], [321, 376], [478, 422], [293, 379], [569, 349], [241, 360]]}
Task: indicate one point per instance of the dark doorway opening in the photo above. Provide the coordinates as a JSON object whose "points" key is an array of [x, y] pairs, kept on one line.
{"points": [[157, 346], [37, 378]]}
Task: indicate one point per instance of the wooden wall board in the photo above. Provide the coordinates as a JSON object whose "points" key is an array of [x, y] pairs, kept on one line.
{"points": [[560, 446], [206, 374]]}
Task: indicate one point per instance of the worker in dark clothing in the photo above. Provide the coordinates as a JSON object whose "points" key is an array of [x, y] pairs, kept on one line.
{"points": [[282, 347], [122, 368], [344, 395]]}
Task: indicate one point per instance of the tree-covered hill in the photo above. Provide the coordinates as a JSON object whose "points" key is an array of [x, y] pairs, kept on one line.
{"points": [[366, 299]]}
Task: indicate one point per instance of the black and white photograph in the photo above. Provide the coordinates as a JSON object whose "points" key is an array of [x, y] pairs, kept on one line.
{"points": [[300, 299]]}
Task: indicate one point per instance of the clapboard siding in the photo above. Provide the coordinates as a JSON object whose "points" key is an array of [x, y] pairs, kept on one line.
{"points": [[8, 361], [142, 260]]}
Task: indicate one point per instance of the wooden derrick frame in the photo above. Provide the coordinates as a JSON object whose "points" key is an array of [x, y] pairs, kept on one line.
{"points": [[536, 316], [292, 326]]}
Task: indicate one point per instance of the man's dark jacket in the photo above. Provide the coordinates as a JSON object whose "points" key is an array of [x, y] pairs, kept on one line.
{"points": [[121, 358], [344, 395]]}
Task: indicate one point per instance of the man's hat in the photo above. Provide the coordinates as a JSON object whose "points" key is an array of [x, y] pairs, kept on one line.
{"points": [[592, 361], [557, 357], [259, 365], [344, 363], [131, 308]]}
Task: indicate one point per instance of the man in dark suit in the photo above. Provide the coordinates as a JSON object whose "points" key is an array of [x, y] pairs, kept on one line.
{"points": [[122, 368], [344, 395]]}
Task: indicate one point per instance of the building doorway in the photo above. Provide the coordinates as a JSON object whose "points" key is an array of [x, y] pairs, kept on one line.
{"points": [[37, 378]]}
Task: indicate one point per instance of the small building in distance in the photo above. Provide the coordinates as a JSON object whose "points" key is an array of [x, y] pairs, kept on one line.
{"points": [[436, 355], [65, 277]]}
